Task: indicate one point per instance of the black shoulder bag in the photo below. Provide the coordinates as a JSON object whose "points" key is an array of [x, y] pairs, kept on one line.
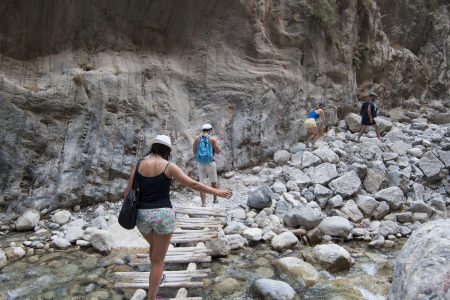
{"points": [[128, 212]]}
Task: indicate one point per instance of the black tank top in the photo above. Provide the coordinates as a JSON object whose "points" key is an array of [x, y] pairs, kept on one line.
{"points": [[154, 191]]}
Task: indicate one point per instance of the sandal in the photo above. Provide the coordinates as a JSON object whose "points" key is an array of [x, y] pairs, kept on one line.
{"points": [[163, 279]]}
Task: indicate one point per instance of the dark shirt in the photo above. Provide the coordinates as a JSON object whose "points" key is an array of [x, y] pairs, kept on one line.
{"points": [[154, 191]]}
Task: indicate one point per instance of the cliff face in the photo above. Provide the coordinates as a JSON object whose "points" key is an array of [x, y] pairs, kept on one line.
{"points": [[85, 84]]}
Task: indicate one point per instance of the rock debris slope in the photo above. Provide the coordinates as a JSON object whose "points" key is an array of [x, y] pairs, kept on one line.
{"points": [[84, 84]]}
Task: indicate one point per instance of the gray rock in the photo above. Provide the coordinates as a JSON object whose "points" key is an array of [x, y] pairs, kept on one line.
{"points": [[301, 179], [297, 269], [269, 289], [279, 188], [347, 185], [400, 147], [373, 180], [381, 210], [360, 170], [444, 157], [431, 166], [3, 259], [28, 220], [335, 201], [393, 196], [292, 186], [366, 204], [420, 207], [303, 216], [333, 257], [399, 179], [421, 217], [388, 228], [283, 241], [61, 217], [296, 159], [235, 228], [322, 174], [335, 226], [261, 219], [297, 147], [352, 211], [326, 155], [281, 157], [219, 246], [418, 191], [416, 152], [384, 123], [419, 269], [353, 122], [101, 241], [322, 194], [282, 207], [259, 198], [405, 217], [61, 243], [309, 160], [236, 241]]}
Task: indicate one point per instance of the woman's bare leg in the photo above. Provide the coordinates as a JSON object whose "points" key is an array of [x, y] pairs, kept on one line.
{"points": [[316, 135], [159, 243]]}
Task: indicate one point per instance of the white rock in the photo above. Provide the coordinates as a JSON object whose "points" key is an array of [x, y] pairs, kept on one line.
{"points": [[309, 160], [61, 217], [353, 122], [297, 269], [322, 174], [352, 211], [333, 257], [347, 185], [252, 234], [335, 226], [279, 188], [3, 259], [236, 241], [28, 220], [61, 243], [102, 241], [269, 289], [74, 233], [281, 157]]}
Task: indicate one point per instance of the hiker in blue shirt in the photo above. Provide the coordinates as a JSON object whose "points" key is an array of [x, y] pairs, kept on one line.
{"points": [[205, 146], [368, 113], [310, 123]]}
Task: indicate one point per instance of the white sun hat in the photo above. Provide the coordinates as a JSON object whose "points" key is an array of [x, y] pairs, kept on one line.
{"points": [[161, 139], [373, 94], [207, 126]]}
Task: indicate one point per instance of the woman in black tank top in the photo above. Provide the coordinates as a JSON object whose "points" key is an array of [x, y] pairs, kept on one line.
{"points": [[156, 218]]}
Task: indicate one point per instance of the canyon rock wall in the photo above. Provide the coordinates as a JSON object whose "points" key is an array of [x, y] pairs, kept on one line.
{"points": [[85, 84]]}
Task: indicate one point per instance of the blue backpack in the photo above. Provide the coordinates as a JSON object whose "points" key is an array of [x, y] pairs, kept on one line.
{"points": [[204, 150]]}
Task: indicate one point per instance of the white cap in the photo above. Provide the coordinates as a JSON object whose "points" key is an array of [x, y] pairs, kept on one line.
{"points": [[162, 139], [373, 94], [207, 126]]}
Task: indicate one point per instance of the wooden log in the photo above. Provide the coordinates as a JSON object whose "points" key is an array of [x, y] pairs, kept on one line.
{"points": [[144, 285]]}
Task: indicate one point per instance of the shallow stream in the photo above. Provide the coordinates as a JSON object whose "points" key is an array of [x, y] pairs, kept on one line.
{"points": [[83, 274]]}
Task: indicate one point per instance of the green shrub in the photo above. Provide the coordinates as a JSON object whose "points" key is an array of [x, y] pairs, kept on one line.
{"points": [[324, 11]]}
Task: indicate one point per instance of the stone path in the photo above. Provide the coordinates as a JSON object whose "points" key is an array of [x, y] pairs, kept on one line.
{"points": [[194, 224]]}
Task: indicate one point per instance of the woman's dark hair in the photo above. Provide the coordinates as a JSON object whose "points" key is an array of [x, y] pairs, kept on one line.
{"points": [[161, 150]]}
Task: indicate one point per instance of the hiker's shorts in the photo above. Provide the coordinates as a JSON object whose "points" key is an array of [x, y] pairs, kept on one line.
{"points": [[207, 172], [366, 121], [161, 220], [310, 123]]}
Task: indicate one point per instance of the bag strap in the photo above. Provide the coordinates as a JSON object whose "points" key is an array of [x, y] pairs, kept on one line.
{"points": [[135, 184]]}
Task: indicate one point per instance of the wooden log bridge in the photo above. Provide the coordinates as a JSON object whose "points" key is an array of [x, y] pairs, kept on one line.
{"points": [[194, 224]]}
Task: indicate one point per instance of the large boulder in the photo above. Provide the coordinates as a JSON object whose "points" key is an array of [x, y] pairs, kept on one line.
{"points": [[28, 220], [332, 257], [336, 226], [322, 174], [384, 123], [303, 216], [297, 269], [353, 122], [352, 211], [422, 268], [269, 289], [393, 196], [326, 155], [431, 166], [347, 185], [283, 241], [259, 198]]}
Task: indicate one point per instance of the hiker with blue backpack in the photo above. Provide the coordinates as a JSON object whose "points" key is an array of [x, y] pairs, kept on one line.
{"points": [[205, 147], [368, 114]]}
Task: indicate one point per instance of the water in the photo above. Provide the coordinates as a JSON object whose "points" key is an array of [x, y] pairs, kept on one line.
{"points": [[83, 274]]}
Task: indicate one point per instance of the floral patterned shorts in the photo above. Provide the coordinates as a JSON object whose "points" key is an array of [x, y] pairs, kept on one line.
{"points": [[161, 220]]}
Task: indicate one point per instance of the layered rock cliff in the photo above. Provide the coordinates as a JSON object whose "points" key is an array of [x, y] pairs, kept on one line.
{"points": [[85, 84]]}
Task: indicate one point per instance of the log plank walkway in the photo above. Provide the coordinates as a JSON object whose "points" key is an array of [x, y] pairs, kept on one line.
{"points": [[194, 224]]}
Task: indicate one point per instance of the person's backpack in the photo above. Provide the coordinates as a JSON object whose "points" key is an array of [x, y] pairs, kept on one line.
{"points": [[364, 107], [204, 150]]}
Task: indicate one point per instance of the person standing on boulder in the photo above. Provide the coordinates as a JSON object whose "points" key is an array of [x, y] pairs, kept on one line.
{"points": [[311, 123], [155, 218], [205, 147], [368, 113]]}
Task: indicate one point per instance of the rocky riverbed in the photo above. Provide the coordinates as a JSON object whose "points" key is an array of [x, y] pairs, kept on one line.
{"points": [[313, 222]]}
